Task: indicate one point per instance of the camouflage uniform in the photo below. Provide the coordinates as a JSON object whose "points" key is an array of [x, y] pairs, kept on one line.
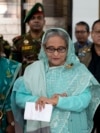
{"points": [[25, 49], [6, 48]]}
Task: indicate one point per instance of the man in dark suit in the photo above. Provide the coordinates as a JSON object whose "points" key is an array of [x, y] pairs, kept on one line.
{"points": [[91, 59], [82, 32]]}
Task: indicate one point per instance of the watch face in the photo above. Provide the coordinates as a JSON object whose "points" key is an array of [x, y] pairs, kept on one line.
{"points": [[13, 123]]}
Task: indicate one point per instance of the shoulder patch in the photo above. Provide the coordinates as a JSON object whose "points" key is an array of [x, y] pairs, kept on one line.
{"points": [[16, 39]]}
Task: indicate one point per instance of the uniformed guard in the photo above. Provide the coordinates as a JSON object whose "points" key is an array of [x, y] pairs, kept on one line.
{"points": [[6, 48], [26, 47]]}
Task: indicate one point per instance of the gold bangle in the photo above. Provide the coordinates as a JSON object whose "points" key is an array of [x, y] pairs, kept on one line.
{"points": [[1, 114], [12, 123]]}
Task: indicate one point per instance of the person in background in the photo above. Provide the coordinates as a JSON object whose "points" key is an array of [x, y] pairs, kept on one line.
{"points": [[59, 79], [6, 48], [91, 59], [26, 47], [8, 72], [82, 32]]}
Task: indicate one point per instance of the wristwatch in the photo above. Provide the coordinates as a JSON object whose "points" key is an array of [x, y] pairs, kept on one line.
{"points": [[12, 123]]}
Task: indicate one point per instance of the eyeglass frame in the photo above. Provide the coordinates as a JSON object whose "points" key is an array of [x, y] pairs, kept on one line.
{"points": [[97, 32], [81, 32], [59, 50]]}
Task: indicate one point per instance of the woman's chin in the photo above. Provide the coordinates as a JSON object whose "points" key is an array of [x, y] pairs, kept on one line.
{"points": [[56, 64]]}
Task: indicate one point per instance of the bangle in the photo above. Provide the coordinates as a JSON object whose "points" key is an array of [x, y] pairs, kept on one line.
{"points": [[12, 123]]}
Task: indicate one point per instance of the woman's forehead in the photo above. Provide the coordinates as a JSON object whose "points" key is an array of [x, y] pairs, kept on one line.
{"points": [[56, 36]]}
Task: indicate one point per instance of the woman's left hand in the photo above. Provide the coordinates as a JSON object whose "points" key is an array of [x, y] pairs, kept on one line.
{"points": [[55, 97], [61, 95], [10, 129], [54, 100], [40, 103]]}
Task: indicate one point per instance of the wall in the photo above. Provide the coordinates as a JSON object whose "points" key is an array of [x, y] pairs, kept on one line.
{"points": [[10, 19], [85, 10], [10, 23]]}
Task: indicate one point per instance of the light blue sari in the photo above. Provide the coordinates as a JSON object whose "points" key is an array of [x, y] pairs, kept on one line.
{"points": [[76, 80]]}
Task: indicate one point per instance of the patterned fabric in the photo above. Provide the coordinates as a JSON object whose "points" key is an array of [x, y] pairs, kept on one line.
{"points": [[42, 130], [92, 61], [8, 72], [74, 79]]}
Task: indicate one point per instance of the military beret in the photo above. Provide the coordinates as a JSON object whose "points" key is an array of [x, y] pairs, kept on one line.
{"points": [[37, 8]]}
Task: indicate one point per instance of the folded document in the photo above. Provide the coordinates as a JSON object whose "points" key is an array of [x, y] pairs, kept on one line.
{"points": [[32, 114]]}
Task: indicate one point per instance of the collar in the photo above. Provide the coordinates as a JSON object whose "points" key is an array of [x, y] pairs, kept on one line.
{"points": [[87, 43]]}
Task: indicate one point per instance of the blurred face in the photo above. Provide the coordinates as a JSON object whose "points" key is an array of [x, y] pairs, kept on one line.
{"points": [[55, 50], [37, 22], [95, 34], [81, 33]]}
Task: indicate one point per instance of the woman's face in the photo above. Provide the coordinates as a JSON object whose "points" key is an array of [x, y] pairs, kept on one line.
{"points": [[55, 50]]}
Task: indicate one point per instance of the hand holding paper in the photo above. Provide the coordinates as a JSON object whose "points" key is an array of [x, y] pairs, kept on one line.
{"points": [[32, 114]]}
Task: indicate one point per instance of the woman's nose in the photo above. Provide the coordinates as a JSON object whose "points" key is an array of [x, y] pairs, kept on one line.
{"points": [[56, 53]]}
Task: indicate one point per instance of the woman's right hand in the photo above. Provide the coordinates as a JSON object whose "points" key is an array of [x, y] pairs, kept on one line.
{"points": [[40, 103]]}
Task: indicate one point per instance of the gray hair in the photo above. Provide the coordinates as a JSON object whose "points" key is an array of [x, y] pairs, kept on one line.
{"points": [[55, 32]]}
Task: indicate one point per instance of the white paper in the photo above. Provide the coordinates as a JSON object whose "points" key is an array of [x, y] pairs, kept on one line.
{"points": [[32, 114]]}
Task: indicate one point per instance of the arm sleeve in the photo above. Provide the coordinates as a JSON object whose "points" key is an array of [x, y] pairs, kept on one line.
{"points": [[23, 95], [75, 103]]}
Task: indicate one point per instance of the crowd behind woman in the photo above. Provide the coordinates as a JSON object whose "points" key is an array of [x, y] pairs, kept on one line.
{"points": [[59, 79]]}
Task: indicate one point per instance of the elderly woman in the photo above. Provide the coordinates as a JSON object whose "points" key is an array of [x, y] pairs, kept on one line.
{"points": [[59, 79], [8, 72]]}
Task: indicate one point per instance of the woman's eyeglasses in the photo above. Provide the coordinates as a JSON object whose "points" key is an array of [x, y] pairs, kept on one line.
{"points": [[52, 49]]}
